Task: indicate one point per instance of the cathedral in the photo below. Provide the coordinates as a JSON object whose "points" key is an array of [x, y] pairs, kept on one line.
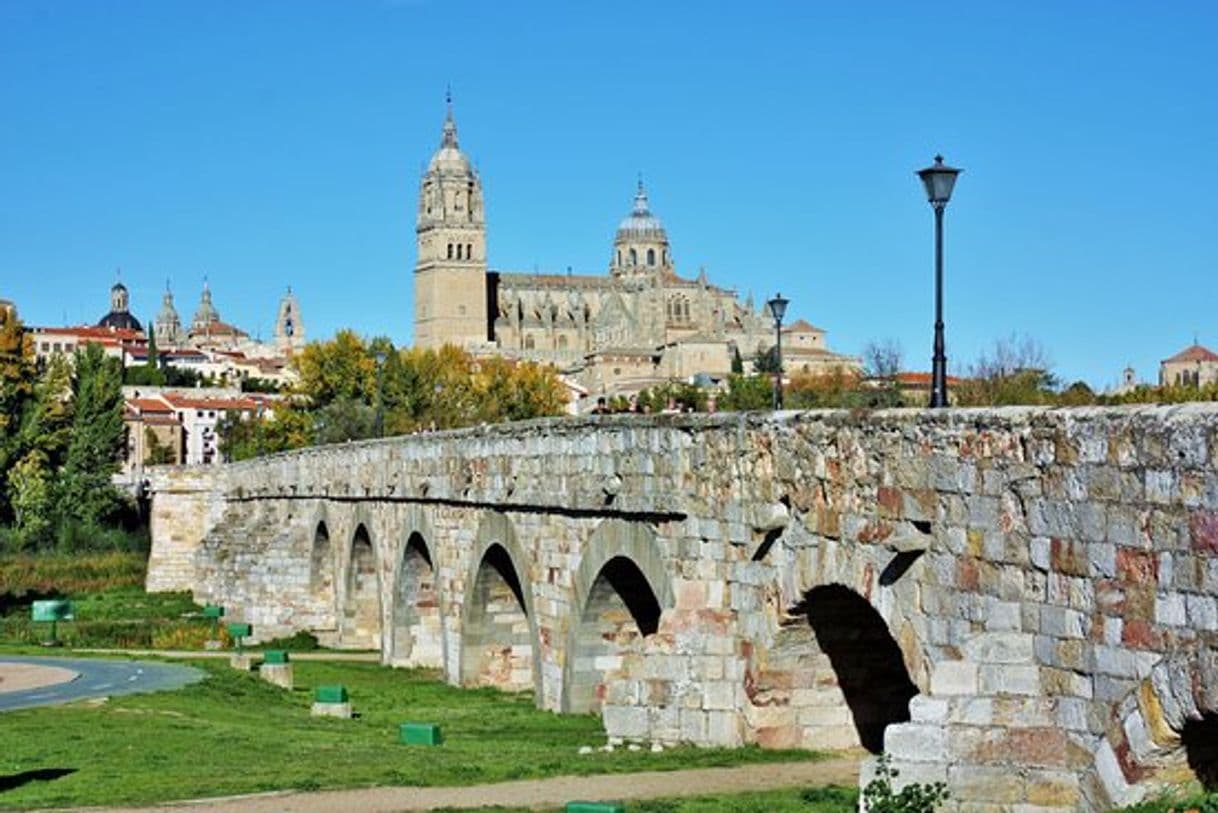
{"points": [[636, 326]]}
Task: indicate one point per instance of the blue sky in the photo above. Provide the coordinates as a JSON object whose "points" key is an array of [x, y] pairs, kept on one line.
{"points": [[274, 143]]}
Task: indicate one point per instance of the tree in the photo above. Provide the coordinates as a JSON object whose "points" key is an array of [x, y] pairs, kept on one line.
{"points": [[767, 360], [342, 367], [747, 393], [95, 450], [29, 489], [156, 453], [882, 359], [1016, 371]]}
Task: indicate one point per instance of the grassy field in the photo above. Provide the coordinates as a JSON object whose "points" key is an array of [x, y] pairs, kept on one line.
{"points": [[233, 733]]}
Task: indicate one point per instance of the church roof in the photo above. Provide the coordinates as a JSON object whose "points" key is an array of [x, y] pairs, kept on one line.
{"points": [[641, 222], [1193, 353], [802, 326], [120, 320]]}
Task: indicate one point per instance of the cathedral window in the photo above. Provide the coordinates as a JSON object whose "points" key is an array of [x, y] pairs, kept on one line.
{"points": [[450, 251], [665, 254], [469, 251], [685, 308], [562, 342], [619, 258], [634, 257], [651, 256], [529, 344]]}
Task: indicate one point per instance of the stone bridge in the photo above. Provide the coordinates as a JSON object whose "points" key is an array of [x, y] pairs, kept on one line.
{"points": [[1018, 602]]}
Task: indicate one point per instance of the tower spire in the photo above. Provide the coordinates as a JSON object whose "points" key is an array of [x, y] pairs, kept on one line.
{"points": [[450, 124]]}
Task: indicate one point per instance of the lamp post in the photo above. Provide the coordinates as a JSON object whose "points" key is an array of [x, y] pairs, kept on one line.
{"points": [[778, 309], [258, 428], [939, 180], [380, 393]]}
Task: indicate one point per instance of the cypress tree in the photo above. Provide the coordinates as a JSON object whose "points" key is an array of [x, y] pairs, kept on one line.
{"points": [[95, 450]]}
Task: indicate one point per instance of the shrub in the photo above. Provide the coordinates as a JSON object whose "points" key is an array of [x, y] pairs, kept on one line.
{"points": [[917, 797]]}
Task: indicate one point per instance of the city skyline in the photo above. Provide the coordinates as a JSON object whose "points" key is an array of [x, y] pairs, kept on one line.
{"points": [[779, 148]]}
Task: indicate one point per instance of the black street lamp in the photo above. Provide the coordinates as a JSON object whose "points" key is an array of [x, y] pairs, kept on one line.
{"points": [[381, 355], [939, 180], [778, 309]]}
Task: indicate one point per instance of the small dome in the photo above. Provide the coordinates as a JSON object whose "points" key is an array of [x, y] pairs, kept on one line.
{"points": [[122, 320], [449, 158], [641, 222], [117, 287]]}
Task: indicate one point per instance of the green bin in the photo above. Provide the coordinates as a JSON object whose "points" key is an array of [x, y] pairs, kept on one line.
{"points": [[596, 807], [238, 630], [213, 611], [419, 734], [331, 694], [275, 656]]}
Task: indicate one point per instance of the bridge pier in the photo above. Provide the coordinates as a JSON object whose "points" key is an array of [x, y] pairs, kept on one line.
{"points": [[1022, 603]]}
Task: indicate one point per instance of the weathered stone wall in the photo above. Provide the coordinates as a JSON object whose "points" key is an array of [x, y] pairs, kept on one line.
{"points": [[1020, 602]]}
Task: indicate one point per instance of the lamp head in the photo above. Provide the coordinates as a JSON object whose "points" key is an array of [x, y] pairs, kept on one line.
{"points": [[778, 307], [939, 180]]}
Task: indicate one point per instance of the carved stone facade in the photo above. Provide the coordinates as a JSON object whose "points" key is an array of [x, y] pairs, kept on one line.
{"points": [[665, 326], [1021, 602]]}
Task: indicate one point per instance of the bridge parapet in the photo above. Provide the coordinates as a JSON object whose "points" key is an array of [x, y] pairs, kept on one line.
{"points": [[1021, 602]]}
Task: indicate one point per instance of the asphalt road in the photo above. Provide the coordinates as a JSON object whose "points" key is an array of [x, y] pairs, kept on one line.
{"points": [[98, 678]]}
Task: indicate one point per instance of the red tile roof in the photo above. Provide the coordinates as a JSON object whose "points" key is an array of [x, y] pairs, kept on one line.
{"points": [[180, 401], [802, 326], [1194, 353]]}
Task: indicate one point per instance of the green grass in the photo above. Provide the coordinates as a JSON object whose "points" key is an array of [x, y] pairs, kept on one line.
{"points": [[1179, 803], [236, 734], [118, 617], [795, 800], [24, 575]]}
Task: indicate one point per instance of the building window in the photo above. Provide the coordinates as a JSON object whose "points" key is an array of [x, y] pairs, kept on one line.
{"points": [[619, 258], [665, 256], [528, 343], [634, 257], [469, 251], [562, 342], [450, 251], [651, 256]]}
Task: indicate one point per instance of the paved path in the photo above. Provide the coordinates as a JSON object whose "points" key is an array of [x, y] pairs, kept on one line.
{"points": [[320, 655], [544, 793], [95, 678]]}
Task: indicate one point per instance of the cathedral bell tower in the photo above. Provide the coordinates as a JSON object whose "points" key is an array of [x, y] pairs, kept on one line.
{"points": [[450, 275]]}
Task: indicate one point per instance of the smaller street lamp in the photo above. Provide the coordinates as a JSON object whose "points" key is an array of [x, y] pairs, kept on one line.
{"points": [[939, 180], [381, 355], [778, 309]]}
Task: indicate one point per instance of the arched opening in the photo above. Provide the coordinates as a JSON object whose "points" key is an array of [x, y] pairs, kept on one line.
{"points": [[651, 256], [529, 343], [321, 569], [1200, 739], [562, 342], [417, 636], [469, 251], [450, 251], [361, 622], [634, 257], [621, 609], [497, 647], [865, 658]]}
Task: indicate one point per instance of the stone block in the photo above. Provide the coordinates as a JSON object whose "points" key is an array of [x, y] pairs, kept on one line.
{"points": [[999, 647], [627, 722], [280, 674], [974, 783], [915, 742], [953, 678], [340, 710], [1009, 679]]}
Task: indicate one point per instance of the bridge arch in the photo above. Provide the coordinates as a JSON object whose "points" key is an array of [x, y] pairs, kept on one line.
{"points": [[321, 566], [620, 590], [865, 658], [499, 640], [360, 622], [1170, 723], [416, 637]]}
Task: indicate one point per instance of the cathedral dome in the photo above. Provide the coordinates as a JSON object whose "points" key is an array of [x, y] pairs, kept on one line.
{"points": [[641, 223], [119, 316]]}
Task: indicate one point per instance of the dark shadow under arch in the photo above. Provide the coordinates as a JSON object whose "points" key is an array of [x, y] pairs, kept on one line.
{"points": [[497, 640], [361, 619], [417, 630], [620, 610], [865, 658], [1200, 739], [321, 565]]}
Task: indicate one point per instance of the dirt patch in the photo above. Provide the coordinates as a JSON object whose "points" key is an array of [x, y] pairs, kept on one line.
{"points": [[539, 793], [18, 677]]}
